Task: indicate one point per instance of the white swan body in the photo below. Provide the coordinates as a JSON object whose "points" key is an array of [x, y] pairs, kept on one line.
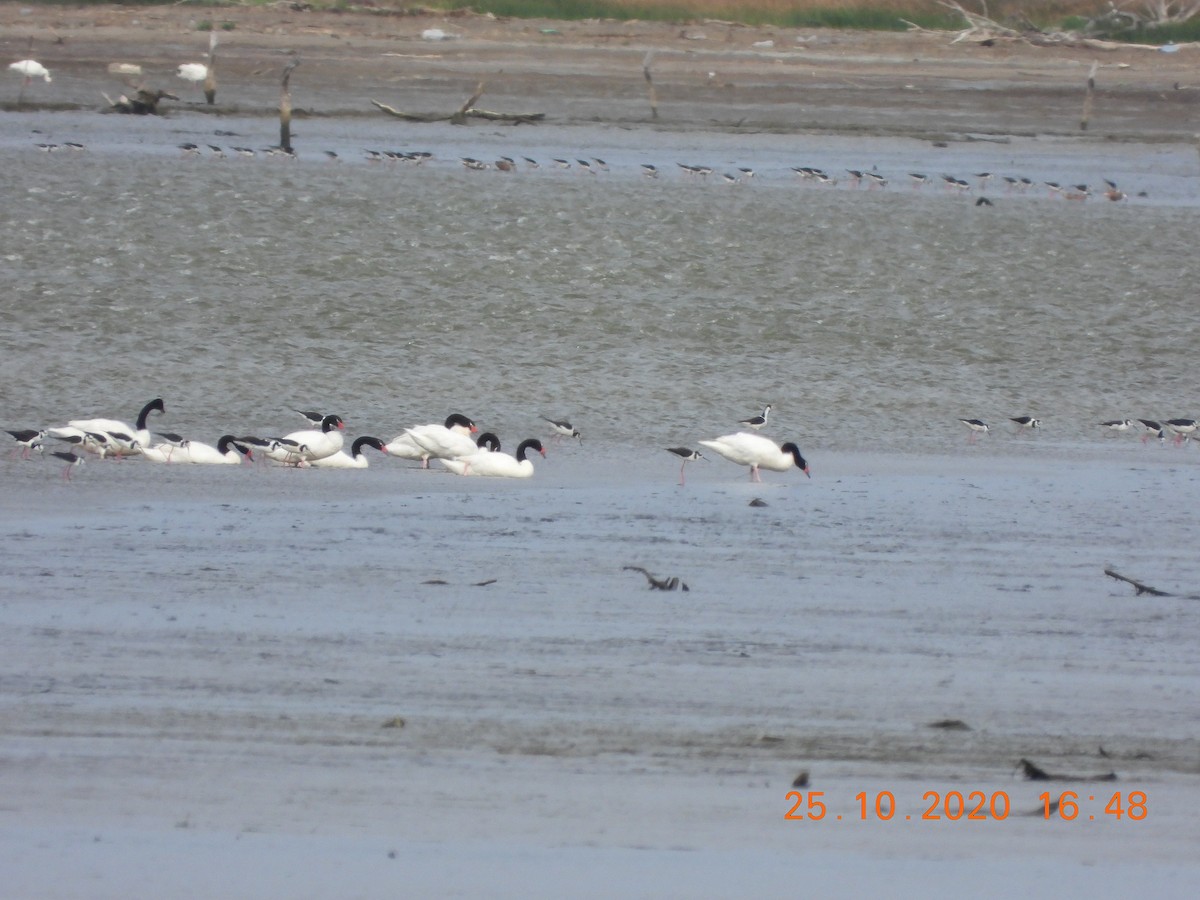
{"points": [[31, 69], [757, 452], [405, 445], [114, 427], [355, 459], [193, 72], [319, 444], [495, 464], [446, 441]]}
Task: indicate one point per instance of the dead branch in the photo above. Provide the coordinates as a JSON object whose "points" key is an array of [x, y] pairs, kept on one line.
{"points": [[460, 117], [143, 103], [1036, 773], [1138, 587], [470, 113], [646, 62], [659, 584], [285, 108]]}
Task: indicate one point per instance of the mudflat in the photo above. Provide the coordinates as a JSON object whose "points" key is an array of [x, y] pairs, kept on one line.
{"points": [[707, 75]]}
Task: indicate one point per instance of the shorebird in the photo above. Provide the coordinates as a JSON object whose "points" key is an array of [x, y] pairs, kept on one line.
{"points": [[1026, 421], [687, 454], [650, 171], [71, 460], [1154, 429], [30, 69], [1183, 429], [1117, 424], [193, 72], [757, 422], [977, 426], [27, 440], [563, 428]]}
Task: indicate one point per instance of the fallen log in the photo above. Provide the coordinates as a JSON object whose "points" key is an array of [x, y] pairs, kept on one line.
{"points": [[1036, 773], [143, 103], [470, 113], [1140, 588]]}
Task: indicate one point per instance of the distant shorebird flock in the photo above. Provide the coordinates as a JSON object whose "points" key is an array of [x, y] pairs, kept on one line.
{"points": [[854, 179], [1180, 430]]}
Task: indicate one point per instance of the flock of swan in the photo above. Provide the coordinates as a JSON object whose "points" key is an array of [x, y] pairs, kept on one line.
{"points": [[453, 443]]}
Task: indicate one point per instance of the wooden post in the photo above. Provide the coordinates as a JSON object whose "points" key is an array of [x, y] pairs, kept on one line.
{"points": [[1087, 100], [650, 84], [285, 108], [210, 77]]}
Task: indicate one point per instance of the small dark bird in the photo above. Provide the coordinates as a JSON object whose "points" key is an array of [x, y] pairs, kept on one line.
{"points": [[1026, 421], [757, 422], [977, 426], [314, 417], [563, 428], [687, 454], [983, 201], [1152, 429], [27, 440], [71, 460]]}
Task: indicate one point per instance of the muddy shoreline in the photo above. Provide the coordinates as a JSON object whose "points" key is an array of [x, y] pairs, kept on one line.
{"points": [[708, 76]]}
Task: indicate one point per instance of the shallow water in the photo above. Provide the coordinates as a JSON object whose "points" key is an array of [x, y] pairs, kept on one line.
{"points": [[658, 311]]}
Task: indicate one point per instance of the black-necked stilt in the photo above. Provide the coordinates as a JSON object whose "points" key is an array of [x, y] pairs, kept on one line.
{"points": [[505, 164], [532, 163], [650, 171], [687, 454], [977, 426], [563, 429], [600, 164], [1026, 421], [27, 440], [71, 460], [562, 163], [1153, 429], [1117, 424], [1183, 429], [757, 422], [216, 151], [190, 149], [311, 415]]}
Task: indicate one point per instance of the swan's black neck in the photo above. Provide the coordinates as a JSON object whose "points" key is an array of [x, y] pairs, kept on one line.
{"points": [[152, 406], [531, 444]]}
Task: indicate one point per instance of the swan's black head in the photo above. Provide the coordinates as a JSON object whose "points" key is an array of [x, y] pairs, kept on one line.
{"points": [[801, 463], [462, 421], [329, 423], [489, 440], [366, 441], [531, 444]]}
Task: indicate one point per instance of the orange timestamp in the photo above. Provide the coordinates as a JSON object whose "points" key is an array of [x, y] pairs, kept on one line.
{"points": [[970, 806]]}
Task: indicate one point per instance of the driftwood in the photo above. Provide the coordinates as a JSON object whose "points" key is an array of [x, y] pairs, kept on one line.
{"points": [[470, 113], [210, 75], [285, 108], [649, 58], [659, 584], [467, 111], [1036, 773], [1140, 588], [143, 103], [1088, 97], [988, 32]]}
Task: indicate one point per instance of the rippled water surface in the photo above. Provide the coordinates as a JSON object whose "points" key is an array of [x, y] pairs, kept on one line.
{"points": [[669, 307]]}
